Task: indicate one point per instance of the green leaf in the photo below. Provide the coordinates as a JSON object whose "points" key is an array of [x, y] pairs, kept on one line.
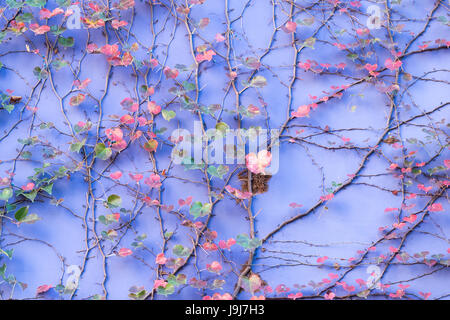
{"points": [[31, 195], [189, 164], [306, 21], [26, 17], [181, 279], [252, 63], [218, 172], [165, 291], [310, 42], [56, 30], [21, 213], [363, 294], [14, 4], [258, 82], [66, 42], [114, 201], [222, 127], [102, 152], [36, 3], [41, 74], [58, 64], [198, 209], [442, 19], [168, 114], [352, 56], [76, 146], [63, 3], [168, 234], [108, 219], [252, 283], [189, 86], [6, 194], [7, 253], [139, 295], [9, 108], [48, 188], [217, 284], [244, 241], [31, 218], [180, 251], [26, 155]]}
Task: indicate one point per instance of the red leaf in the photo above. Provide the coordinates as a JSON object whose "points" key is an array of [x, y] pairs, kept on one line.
{"points": [[125, 252], [43, 289]]}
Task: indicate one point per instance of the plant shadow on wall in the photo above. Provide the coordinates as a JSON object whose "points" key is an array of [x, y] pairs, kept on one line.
{"points": [[335, 179]]}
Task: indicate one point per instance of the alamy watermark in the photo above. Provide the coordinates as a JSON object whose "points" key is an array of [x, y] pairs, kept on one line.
{"points": [[74, 20], [373, 21]]}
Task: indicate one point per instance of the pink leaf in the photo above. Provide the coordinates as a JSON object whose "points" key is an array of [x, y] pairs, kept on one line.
{"points": [[43, 289], [39, 29], [333, 276], [170, 73], [123, 252], [435, 207], [393, 249], [206, 56], [257, 163], [425, 295], [126, 119], [160, 259], [129, 104], [447, 163], [28, 187], [329, 296], [392, 65], [410, 219], [370, 67], [159, 283], [154, 181], [116, 24], [423, 188], [227, 244], [289, 27], [327, 197], [219, 37], [215, 267], [110, 50], [77, 100], [295, 205], [114, 134], [116, 175], [187, 202], [127, 59], [136, 177], [153, 108], [203, 23], [302, 111], [209, 246], [295, 296]]}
